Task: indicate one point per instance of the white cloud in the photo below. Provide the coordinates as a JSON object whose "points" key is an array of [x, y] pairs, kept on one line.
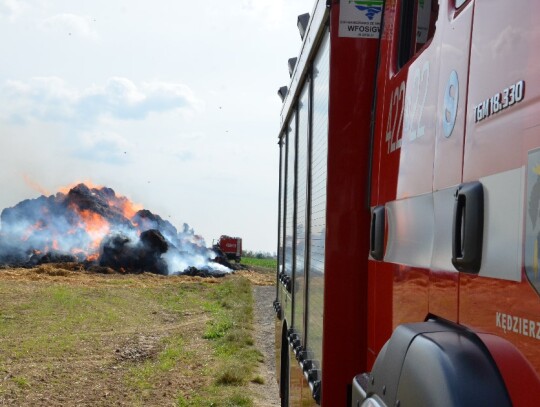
{"points": [[122, 99], [51, 99], [45, 99], [12, 8], [70, 24], [103, 146]]}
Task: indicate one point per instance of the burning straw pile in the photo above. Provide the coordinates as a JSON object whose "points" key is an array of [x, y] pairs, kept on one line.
{"points": [[96, 227]]}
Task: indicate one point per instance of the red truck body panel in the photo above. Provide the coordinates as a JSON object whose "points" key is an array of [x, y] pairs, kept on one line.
{"points": [[343, 232], [489, 47], [352, 73], [231, 246], [457, 106]]}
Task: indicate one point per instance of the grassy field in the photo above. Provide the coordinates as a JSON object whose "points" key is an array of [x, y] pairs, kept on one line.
{"points": [[261, 263], [74, 338]]}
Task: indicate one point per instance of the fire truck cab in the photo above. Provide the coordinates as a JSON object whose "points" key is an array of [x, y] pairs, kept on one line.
{"points": [[418, 270]]}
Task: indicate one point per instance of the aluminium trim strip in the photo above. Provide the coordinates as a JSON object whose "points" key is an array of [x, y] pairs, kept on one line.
{"points": [[420, 228]]}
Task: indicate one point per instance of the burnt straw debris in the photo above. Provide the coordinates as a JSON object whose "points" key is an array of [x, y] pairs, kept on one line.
{"points": [[101, 230]]}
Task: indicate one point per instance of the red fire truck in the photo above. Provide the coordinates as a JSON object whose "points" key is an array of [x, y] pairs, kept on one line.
{"points": [[231, 247], [409, 206]]}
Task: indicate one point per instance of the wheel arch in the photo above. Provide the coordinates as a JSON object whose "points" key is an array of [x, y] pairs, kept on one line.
{"points": [[433, 363], [521, 379]]}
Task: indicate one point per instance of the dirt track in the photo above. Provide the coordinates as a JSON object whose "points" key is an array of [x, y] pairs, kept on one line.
{"points": [[264, 340]]}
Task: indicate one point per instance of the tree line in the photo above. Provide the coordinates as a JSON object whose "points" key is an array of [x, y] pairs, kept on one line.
{"points": [[258, 254]]}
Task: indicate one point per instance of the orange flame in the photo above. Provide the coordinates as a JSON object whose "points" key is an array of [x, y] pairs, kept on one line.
{"points": [[93, 257], [94, 224], [128, 208]]}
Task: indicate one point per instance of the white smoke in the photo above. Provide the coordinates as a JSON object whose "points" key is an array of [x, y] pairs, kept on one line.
{"points": [[89, 224]]}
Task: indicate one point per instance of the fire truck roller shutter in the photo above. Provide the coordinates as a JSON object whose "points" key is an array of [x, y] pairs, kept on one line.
{"points": [[432, 364]]}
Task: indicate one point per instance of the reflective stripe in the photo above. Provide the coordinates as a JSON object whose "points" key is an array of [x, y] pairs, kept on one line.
{"points": [[420, 228]]}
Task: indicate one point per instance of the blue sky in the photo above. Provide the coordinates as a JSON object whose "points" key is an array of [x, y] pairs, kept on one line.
{"points": [[170, 102]]}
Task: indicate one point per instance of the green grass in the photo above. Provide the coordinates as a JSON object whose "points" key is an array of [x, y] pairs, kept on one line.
{"points": [[21, 382], [142, 377], [236, 399], [258, 380], [231, 333], [55, 334], [228, 332], [263, 263], [60, 317]]}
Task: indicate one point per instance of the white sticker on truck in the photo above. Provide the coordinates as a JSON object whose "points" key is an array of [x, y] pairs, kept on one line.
{"points": [[501, 100], [360, 18]]}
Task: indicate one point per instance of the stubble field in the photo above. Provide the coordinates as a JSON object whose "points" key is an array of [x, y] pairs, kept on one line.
{"points": [[73, 338]]}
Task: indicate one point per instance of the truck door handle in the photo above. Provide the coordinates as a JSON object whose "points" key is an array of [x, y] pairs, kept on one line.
{"points": [[468, 227], [377, 232]]}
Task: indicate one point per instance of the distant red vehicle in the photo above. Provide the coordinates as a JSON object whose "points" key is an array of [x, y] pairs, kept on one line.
{"points": [[231, 247]]}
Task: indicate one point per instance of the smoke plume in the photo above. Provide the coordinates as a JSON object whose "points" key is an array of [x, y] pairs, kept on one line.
{"points": [[97, 227]]}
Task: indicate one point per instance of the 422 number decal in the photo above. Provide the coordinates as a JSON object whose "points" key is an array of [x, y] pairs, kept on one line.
{"points": [[395, 118], [406, 109]]}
